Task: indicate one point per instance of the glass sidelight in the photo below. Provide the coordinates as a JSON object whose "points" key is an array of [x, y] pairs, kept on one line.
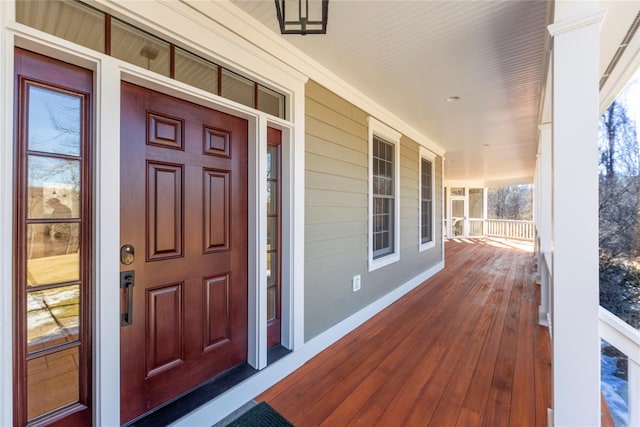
{"points": [[274, 249], [52, 289]]}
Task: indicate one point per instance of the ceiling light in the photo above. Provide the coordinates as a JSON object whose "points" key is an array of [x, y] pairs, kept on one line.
{"points": [[302, 16], [453, 99]]}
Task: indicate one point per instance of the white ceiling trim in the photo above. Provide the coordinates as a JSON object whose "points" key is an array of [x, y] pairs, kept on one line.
{"points": [[179, 23], [244, 25], [627, 66], [567, 25]]}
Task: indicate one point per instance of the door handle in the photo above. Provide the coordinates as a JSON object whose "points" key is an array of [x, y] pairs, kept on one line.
{"points": [[127, 281]]}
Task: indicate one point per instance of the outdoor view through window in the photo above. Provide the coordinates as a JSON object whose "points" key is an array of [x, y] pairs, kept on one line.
{"points": [[619, 182]]}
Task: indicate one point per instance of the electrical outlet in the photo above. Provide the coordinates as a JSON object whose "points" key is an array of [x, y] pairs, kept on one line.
{"points": [[356, 283]]}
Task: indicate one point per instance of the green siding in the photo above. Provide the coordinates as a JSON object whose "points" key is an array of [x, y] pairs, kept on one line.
{"points": [[336, 213]]}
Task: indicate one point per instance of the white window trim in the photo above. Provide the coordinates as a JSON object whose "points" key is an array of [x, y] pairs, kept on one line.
{"points": [[392, 136], [431, 157]]}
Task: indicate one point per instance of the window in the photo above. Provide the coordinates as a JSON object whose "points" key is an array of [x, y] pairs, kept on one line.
{"points": [[426, 206], [384, 195], [136, 46]]}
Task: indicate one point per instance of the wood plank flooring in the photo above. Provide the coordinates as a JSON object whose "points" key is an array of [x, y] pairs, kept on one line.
{"points": [[463, 349]]}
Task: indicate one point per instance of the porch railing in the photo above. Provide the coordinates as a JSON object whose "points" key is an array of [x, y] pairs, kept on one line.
{"points": [[627, 340], [510, 229]]}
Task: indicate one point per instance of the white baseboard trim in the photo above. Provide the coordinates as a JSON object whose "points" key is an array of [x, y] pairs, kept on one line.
{"points": [[543, 317], [223, 405]]}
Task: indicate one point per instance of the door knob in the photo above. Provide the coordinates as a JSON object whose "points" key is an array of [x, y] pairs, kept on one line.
{"points": [[127, 254]]}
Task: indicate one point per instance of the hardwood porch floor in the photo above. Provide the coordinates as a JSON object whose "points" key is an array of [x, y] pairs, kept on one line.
{"points": [[463, 349]]}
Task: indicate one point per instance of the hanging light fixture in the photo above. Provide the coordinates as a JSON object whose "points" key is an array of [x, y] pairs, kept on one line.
{"points": [[302, 16]]}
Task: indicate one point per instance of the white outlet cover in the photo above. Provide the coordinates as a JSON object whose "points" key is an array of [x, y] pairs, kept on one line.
{"points": [[356, 283]]}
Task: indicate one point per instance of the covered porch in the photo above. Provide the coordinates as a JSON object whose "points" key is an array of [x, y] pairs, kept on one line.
{"points": [[464, 348]]}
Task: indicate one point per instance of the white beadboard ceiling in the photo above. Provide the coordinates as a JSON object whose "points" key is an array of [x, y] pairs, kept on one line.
{"points": [[410, 56]]}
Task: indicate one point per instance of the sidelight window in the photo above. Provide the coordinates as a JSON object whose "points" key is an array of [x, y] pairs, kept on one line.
{"points": [[52, 290]]}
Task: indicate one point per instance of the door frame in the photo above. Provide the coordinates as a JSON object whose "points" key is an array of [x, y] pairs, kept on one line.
{"points": [[109, 72], [465, 220]]}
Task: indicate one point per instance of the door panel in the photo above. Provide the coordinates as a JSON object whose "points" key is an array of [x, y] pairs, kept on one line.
{"points": [[184, 204]]}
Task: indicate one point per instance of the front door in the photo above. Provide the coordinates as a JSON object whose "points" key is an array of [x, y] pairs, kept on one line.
{"points": [[183, 231], [458, 217]]}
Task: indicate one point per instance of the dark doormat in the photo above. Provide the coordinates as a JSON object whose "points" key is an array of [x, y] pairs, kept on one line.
{"points": [[261, 415]]}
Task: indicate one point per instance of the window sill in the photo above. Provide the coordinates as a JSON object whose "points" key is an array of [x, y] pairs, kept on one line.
{"points": [[377, 263], [426, 246]]}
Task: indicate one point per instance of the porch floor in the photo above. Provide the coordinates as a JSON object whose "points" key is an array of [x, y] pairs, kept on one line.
{"points": [[464, 349]]}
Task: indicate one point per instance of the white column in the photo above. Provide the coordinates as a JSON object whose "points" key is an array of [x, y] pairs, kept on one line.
{"points": [[543, 219], [575, 348], [107, 222], [485, 209]]}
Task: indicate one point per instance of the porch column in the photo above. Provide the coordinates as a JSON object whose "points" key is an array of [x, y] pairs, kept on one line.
{"points": [[543, 220], [576, 343], [485, 210]]}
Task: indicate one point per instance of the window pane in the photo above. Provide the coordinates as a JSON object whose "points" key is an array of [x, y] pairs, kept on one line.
{"points": [[271, 268], [271, 302], [270, 102], [457, 208], [272, 198], [68, 20], [52, 253], [54, 188], [196, 71], [139, 48], [272, 233], [54, 121], [457, 191], [237, 88], [52, 317], [271, 156], [52, 382]]}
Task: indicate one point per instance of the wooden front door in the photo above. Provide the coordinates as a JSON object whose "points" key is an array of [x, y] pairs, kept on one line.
{"points": [[184, 247]]}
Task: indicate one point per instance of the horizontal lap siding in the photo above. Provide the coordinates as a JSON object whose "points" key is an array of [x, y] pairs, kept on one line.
{"points": [[336, 213]]}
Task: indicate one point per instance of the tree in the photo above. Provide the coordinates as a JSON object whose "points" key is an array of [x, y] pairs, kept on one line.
{"points": [[619, 190], [510, 202], [619, 154], [619, 183]]}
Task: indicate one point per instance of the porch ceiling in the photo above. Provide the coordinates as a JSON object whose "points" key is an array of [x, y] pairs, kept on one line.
{"points": [[410, 56]]}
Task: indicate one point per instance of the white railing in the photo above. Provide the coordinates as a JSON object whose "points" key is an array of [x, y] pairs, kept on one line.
{"points": [[476, 227], [544, 275], [510, 229], [627, 340]]}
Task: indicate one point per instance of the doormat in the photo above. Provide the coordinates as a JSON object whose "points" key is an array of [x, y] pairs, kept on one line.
{"points": [[261, 415]]}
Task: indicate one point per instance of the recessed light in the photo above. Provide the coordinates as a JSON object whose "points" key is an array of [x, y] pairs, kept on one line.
{"points": [[485, 145], [453, 99]]}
